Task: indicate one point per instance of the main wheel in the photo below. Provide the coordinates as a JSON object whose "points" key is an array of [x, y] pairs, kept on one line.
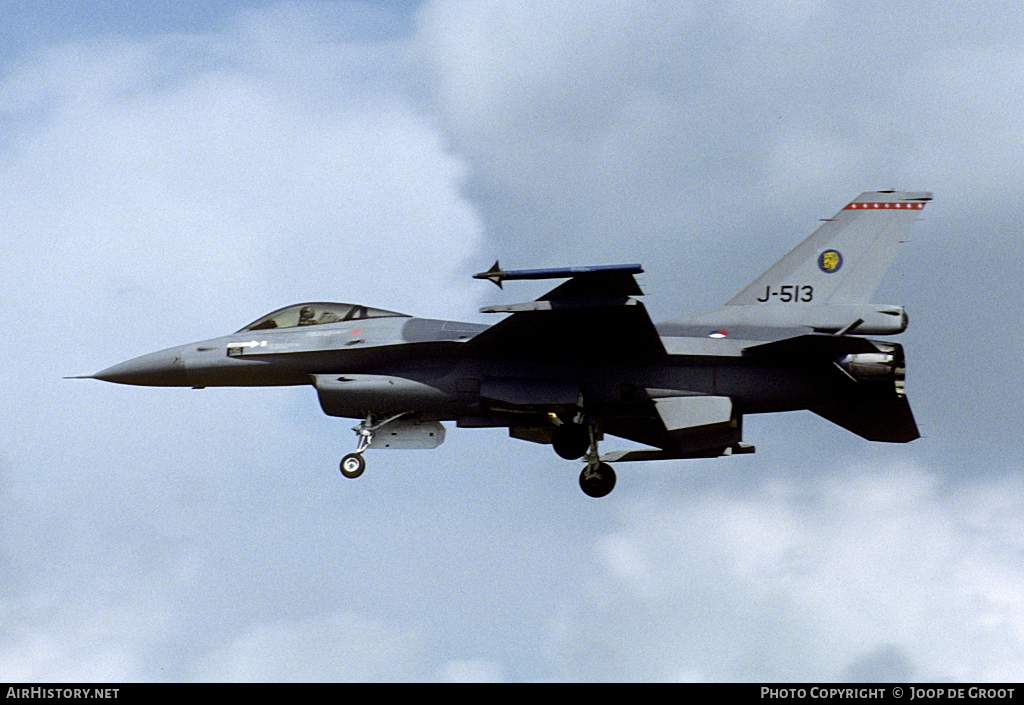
{"points": [[570, 441], [597, 480], [352, 465]]}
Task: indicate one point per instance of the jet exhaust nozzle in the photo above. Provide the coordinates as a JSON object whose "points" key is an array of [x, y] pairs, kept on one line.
{"points": [[878, 369]]}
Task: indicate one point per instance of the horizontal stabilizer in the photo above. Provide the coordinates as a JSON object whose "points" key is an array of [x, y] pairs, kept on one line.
{"points": [[862, 319], [886, 419]]}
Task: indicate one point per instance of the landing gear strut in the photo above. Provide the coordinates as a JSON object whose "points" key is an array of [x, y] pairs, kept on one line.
{"points": [[353, 464], [597, 478]]}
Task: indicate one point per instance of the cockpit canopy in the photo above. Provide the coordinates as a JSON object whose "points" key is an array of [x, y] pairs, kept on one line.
{"points": [[315, 314]]}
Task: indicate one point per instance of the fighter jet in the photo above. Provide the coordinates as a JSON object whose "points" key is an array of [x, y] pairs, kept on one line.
{"points": [[585, 360]]}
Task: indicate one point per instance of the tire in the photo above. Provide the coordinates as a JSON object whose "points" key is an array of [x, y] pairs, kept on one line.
{"points": [[353, 465], [570, 441], [597, 481]]}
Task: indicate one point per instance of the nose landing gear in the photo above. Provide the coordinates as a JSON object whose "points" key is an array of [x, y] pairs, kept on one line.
{"points": [[353, 464]]}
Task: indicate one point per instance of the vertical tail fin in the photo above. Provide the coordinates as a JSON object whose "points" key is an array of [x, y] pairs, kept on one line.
{"points": [[843, 261]]}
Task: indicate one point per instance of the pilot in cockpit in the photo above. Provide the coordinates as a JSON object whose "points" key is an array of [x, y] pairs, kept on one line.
{"points": [[306, 316]]}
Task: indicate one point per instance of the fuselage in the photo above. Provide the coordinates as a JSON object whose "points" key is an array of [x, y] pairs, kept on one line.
{"points": [[396, 364]]}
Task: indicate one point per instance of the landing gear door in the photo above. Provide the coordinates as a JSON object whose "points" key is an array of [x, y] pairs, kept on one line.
{"points": [[408, 434]]}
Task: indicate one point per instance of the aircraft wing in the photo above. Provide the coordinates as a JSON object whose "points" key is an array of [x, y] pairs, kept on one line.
{"points": [[593, 316]]}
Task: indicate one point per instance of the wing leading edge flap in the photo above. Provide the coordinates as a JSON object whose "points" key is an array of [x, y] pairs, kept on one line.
{"points": [[600, 285]]}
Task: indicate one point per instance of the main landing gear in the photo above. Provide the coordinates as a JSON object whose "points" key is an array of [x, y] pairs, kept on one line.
{"points": [[597, 479], [572, 441]]}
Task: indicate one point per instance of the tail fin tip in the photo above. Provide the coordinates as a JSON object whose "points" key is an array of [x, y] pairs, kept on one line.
{"points": [[844, 260]]}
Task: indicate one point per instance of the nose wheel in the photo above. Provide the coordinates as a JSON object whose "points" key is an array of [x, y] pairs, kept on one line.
{"points": [[353, 465]]}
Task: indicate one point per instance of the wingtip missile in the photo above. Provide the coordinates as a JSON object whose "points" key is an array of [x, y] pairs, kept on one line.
{"points": [[497, 275], [494, 275]]}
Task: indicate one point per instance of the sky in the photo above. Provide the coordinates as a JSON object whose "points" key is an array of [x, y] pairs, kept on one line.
{"points": [[172, 171]]}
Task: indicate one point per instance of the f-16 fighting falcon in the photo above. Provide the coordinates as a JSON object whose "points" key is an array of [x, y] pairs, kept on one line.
{"points": [[585, 360]]}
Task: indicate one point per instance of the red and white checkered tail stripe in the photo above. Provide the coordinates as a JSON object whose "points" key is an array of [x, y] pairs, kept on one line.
{"points": [[911, 206]]}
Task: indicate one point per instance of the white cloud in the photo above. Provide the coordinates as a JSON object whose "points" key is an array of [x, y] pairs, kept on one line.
{"points": [[651, 131], [250, 181], [965, 109], [88, 598], [329, 648], [802, 579], [471, 671], [169, 188], [175, 189]]}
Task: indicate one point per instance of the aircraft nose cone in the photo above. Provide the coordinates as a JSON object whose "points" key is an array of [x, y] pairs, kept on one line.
{"points": [[159, 369]]}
